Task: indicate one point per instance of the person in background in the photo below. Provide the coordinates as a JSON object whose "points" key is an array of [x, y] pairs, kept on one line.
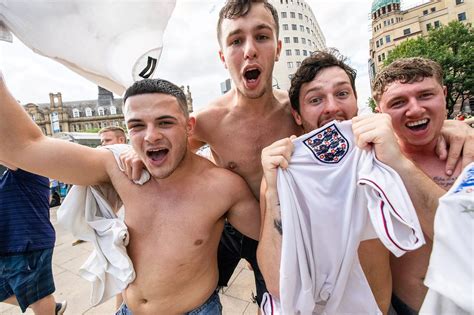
{"points": [[26, 242]]}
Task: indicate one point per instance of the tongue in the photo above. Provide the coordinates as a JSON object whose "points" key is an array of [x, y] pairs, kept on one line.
{"points": [[158, 155], [418, 127]]}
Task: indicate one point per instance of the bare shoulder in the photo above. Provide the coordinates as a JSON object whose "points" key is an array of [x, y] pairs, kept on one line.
{"points": [[222, 180], [208, 119], [282, 96]]}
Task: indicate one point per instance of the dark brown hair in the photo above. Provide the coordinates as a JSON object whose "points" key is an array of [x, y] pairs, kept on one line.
{"points": [[311, 66]]}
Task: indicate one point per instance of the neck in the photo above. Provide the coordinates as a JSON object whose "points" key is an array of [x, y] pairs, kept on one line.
{"points": [[181, 172], [419, 151], [254, 105]]}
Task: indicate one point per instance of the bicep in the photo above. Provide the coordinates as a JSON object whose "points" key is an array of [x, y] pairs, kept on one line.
{"points": [[244, 213]]}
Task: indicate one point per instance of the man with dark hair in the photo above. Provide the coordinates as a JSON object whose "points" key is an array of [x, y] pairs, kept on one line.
{"points": [[112, 135], [322, 90], [27, 242], [249, 117], [174, 220], [411, 91]]}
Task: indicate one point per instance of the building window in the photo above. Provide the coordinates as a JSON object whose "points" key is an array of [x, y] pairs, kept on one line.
{"points": [[303, 40], [285, 27], [75, 113], [113, 110], [459, 1], [407, 31], [307, 30], [305, 52], [462, 16], [295, 40], [288, 52], [433, 9], [100, 111], [428, 26], [300, 16], [294, 27], [387, 39], [309, 42], [379, 58], [289, 64], [290, 76], [88, 112], [377, 44], [381, 41], [425, 12], [437, 24], [302, 28], [292, 15], [287, 40], [283, 15], [297, 52], [298, 64]]}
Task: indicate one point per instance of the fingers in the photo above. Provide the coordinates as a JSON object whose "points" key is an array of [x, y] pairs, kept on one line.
{"points": [[131, 164], [277, 154], [468, 150], [441, 148]]}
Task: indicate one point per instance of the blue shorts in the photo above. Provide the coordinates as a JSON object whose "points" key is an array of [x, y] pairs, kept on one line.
{"points": [[212, 306], [28, 276]]}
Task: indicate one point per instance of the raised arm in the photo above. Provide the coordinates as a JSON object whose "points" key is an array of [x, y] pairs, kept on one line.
{"points": [[269, 248], [376, 130], [23, 145]]}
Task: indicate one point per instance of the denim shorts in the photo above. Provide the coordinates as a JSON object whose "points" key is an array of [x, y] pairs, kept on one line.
{"points": [[28, 276], [212, 306]]}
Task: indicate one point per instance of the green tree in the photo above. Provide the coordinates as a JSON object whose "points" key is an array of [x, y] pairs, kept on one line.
{"points": [[452, 46], [371, 103]]}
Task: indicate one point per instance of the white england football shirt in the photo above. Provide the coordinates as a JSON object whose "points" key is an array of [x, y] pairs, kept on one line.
{"points": [[450, 276], [327, 195]]}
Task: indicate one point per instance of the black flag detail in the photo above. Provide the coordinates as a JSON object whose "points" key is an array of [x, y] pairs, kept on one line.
{"points": [[149, 69]]}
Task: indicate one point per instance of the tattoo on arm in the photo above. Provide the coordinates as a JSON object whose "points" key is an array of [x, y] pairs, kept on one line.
{"points": [[277, 225]]}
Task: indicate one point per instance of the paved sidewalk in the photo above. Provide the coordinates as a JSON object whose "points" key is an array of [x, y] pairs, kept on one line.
{"points": [[67, 259]]}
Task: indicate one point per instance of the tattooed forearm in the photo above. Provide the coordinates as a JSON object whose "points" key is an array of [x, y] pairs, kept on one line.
{"points": [[277, 225]]}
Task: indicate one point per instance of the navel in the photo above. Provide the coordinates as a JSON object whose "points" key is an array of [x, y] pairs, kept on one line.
{"points": [[198, 242], [232, 165], [143, 301]]}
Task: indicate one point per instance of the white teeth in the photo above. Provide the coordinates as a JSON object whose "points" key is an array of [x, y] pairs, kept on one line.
{"points": [[417, 123]]}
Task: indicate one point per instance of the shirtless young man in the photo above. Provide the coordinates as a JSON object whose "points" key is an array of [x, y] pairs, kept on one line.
{"points": [[249, 117], [322, 90], [174, 220], [411, 91]]}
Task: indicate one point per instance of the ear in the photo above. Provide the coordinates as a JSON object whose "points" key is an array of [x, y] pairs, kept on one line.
{"points": [[297, 117], [445, 91], [277, 57], [190, 125], [221, 56]]}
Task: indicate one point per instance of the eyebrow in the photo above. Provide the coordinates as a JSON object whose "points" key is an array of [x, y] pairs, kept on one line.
{"points": [[320, 87], [256, 28], [134, 120]]}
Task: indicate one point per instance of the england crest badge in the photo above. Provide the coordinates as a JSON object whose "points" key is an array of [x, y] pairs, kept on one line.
{"points": [[328, 145]]}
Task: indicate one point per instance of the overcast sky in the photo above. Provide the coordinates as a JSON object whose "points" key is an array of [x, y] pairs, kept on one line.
{"points": [[190, 53]]}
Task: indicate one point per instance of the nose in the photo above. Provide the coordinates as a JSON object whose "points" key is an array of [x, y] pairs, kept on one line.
{"points": [[331, 106], [414, 108], [153, 134], [250, 49]]}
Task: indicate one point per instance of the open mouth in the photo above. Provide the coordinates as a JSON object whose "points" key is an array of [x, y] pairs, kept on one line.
{"points": [[252, 75], [157, 155], [418, 125]]}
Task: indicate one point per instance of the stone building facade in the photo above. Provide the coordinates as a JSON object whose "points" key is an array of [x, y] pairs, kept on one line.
{"points": [[82, 116]]}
